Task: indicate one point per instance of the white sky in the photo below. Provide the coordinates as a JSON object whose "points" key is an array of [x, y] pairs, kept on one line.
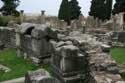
{"points": [[50, 6]]}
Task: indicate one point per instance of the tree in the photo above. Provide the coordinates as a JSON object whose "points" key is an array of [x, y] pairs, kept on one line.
{"points": [[75, 9], [64, 11], [9, 7], [108, 7], [101, 9], [69, 10], [119, 7]]}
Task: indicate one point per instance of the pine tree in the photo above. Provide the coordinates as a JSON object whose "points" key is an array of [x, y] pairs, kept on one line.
{"points": [[9, 7], [64, 11], [119, 6], [75, 9]]}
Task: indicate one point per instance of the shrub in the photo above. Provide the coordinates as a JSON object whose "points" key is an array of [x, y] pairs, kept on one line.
{"points": [[4, 20]]}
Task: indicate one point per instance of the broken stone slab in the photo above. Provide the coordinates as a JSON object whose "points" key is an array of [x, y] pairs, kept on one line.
{"points": [[39, 76], [120, 82], [4, 68], [107, 78], [105, 48], [63, 43]]}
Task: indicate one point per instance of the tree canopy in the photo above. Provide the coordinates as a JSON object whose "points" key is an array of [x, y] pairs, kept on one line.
{"points": [[119, 6], [69, 10], [101, 9], [9, 7]]}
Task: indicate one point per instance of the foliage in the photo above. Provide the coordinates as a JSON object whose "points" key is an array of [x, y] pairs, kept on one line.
{"points": [[64, 12], [119, 6], [69, 10], [108, 7], [101, 9], [9, 7], [4, 20], [75, 9]]}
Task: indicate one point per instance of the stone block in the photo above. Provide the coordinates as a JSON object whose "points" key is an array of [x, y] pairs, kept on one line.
{"points": [[39, 76]]}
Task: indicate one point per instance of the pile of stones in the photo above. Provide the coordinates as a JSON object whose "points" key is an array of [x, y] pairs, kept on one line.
{"points": [[74, 57]]}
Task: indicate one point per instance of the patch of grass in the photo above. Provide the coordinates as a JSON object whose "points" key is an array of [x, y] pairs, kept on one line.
{"points": [[18, 66], [123, 76], [119, 55]]}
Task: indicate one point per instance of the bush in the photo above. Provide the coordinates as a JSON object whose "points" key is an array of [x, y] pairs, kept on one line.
{"points": [[4, 20]]}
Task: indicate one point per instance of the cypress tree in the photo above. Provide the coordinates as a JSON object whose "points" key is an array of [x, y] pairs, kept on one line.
{"points": [[69, 10], [108, 8], [64, 11], [119, 6], [75, 9], [101, 9], [9, 7]]}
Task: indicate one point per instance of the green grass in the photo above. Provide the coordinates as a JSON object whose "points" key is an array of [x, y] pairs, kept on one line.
{"points": [[119, 55], [18, 66]]}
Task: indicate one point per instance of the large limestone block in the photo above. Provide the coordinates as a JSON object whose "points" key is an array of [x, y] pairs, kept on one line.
{"points": [[39, 76]]}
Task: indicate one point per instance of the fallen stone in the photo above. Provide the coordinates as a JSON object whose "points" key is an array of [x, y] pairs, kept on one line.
{"points": [[39, 76]]}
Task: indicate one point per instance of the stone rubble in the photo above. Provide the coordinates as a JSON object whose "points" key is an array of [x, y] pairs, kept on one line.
{"points": [[74, 57]]}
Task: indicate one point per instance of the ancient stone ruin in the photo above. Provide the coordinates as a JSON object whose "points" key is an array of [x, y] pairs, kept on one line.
{"points": [[74, 56], [39, 76], [33, 42]]}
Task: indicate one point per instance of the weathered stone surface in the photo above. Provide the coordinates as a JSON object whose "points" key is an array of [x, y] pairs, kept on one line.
{"points": [[7, 36], [39, 76], [68, 62], [33, 42], [4, 68], [120, 82], [74, 57]]}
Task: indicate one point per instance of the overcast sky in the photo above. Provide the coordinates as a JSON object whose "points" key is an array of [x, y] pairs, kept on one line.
{"points": [[50, 6]]}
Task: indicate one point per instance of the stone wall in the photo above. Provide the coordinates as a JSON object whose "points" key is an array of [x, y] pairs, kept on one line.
{"points": [[33, 42], [74, 57], [81, 58], [118, 22], [7, 37]]}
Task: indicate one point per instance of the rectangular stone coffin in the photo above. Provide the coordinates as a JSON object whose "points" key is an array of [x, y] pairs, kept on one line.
{"points": [[69, 64]]}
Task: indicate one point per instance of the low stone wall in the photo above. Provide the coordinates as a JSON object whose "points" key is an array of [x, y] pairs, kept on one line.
{"points": [[33, 42], [118, 39], [74, 57], [7, 37], [80, 58]]}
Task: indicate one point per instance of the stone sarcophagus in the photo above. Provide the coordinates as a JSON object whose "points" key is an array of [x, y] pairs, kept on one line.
{"points": [[32, 42], [68, 64]]}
